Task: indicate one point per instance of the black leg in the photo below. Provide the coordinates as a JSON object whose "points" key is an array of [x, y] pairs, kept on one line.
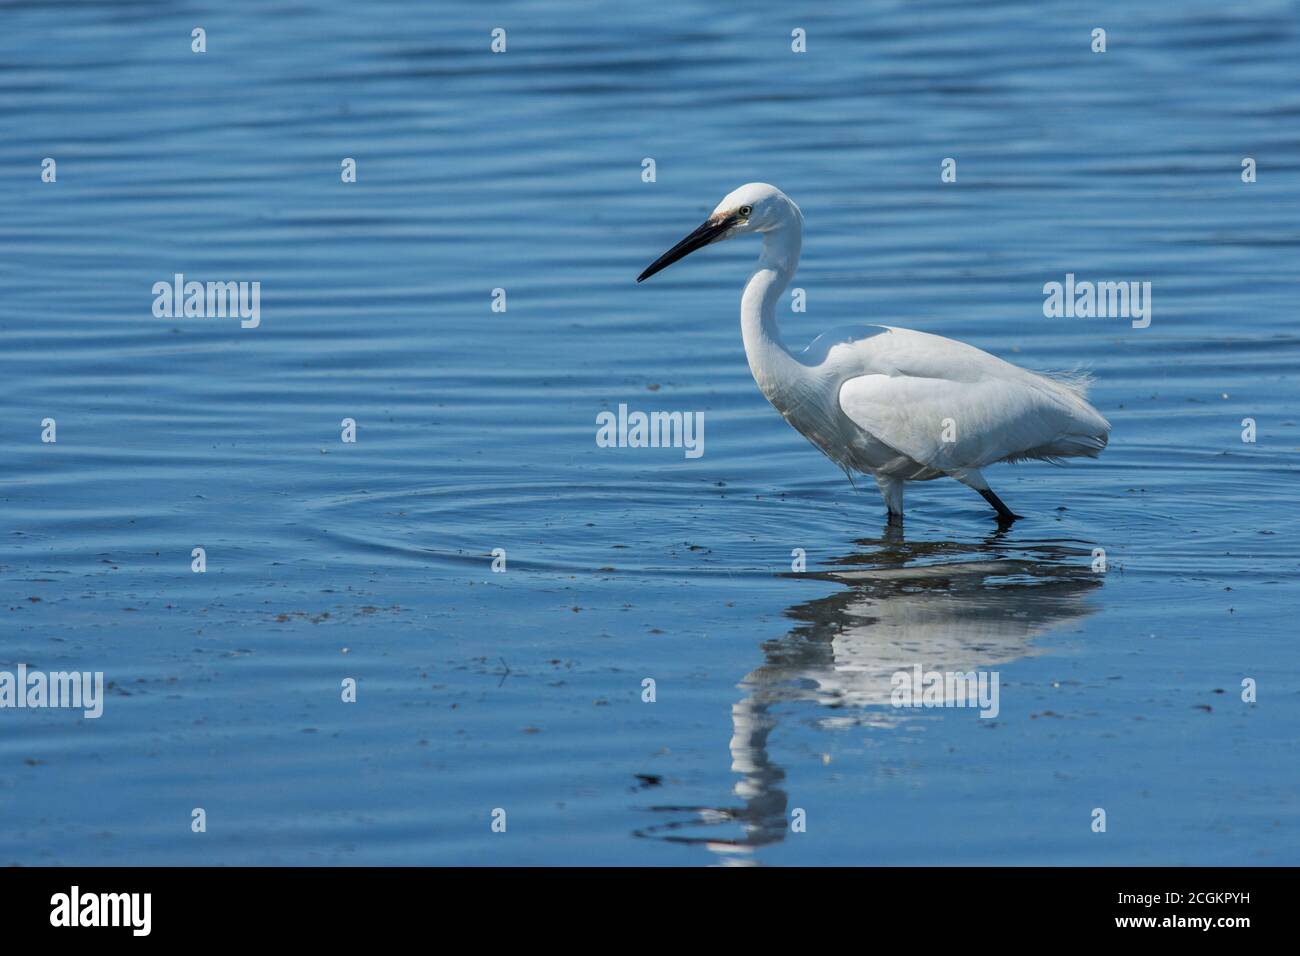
{"points": [[1005, 514]]}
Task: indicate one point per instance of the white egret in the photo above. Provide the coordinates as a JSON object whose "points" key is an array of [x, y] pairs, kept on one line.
{"points": [[892, 403]]}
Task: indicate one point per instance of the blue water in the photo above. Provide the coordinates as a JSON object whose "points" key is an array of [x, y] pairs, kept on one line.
{"points": [[522, 691]]}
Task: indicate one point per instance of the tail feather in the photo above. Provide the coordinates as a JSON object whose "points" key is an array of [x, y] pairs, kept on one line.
{"points": [[1088, 432]]}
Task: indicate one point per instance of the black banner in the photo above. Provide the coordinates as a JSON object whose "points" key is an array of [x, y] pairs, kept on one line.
{"points": [[338, 905]]}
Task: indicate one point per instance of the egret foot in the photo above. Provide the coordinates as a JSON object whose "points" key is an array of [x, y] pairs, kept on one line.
{"points": [[1005, 514]]}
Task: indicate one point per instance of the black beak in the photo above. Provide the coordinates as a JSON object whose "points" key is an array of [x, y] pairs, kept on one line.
{"points": [[710, 230]]}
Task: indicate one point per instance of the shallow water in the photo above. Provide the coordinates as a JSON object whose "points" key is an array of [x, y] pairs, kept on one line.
{"points": [[523, 690]]}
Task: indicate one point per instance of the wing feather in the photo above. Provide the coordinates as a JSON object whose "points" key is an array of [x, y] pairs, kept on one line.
{"points": [[953, 425]]}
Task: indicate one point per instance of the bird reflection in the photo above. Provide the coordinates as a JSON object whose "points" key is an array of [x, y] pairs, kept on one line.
{"points": [[948, 606]]}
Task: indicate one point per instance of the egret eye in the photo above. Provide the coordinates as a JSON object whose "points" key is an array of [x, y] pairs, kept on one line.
{"points": [[745, 211]]}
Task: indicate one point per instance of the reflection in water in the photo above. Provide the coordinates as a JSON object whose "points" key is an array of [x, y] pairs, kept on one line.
{"points": [[946, 606]]}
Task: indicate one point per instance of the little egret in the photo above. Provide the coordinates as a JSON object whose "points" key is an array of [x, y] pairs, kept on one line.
{"points": [[891, 403]]}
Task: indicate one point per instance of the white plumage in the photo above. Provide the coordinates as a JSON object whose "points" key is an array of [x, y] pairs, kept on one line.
{"points": [[892, 403]]}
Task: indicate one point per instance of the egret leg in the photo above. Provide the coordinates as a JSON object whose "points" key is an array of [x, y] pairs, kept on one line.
{"points": [[1005, 514], [973, 479], [891, 489]]}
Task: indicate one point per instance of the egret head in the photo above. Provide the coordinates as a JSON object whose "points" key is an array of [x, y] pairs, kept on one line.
{"points": [[754, 207]]}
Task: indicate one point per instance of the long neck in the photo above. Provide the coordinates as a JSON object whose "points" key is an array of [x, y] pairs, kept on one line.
{"points": [[775, 370]]}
